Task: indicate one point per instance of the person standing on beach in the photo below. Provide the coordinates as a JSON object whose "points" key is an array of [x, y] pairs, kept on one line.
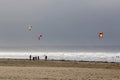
{"points": [[30, 57], [38, 57], [45, 57]]}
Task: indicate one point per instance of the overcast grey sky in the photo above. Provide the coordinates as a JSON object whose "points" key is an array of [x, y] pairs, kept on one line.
{"points": [[61, 22]]}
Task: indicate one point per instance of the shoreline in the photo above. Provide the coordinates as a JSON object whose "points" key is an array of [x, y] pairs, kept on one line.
{"points": [[59, 63]]}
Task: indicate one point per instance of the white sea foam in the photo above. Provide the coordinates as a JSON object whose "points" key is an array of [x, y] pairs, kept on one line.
{"points": [[78, 56]]}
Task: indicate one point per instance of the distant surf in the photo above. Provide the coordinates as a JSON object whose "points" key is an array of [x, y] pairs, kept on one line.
{"points": [[78, 53]]}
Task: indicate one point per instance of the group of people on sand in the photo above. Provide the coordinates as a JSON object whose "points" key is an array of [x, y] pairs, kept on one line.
{"points": [[36, 57]]}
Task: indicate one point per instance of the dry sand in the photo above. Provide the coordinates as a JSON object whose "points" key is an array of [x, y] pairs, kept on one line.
{"points": [[58, 70]]}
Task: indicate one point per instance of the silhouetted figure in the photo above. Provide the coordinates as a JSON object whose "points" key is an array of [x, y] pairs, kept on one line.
{"points": [[33, 58], [45, 58], [38, 57], [30, 57]]}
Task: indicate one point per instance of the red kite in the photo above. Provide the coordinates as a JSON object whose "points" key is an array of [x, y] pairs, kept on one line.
{"points": [[100, 35], [39, 36]]}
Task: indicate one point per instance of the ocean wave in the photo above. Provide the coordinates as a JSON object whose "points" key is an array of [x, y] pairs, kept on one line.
{"points": [[77, 56]]}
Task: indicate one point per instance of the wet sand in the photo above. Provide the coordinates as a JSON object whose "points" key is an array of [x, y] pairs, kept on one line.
{"points": [[58, 70]]}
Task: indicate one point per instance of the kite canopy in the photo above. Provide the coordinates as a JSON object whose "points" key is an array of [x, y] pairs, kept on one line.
{"points": [[39, 36], [29, 27], [100, 35]]}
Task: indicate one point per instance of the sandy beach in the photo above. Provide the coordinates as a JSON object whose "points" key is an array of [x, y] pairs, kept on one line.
{"points": [[58, 70]]}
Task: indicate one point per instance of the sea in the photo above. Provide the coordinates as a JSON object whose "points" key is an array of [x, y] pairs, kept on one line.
{"points": [[73, 53]]}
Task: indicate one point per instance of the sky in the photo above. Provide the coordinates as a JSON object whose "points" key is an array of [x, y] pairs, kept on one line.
{"points": [[61, 22]]}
